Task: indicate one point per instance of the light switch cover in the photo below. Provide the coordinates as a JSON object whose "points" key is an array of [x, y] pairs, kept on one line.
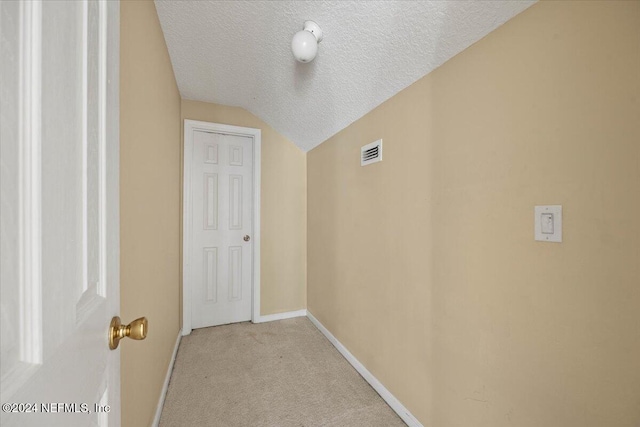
{"points": [[548, 223]]}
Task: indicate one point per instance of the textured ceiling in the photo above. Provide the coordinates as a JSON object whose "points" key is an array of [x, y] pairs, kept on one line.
{"points": [[239, 53]]}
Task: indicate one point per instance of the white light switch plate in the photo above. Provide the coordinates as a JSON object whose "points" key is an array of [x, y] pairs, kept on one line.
{"points": [[548, 223]]}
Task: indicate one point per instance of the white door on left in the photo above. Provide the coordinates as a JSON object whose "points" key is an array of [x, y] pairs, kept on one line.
{"points": [[59, 237]]}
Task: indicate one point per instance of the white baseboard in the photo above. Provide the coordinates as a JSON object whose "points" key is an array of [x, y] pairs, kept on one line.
{"points": [[281, 316], [163, 394], [391, 400]]}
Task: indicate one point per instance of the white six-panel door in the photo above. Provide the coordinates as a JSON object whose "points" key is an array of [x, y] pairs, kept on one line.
{"points": [[59, 212], [221, 228]]}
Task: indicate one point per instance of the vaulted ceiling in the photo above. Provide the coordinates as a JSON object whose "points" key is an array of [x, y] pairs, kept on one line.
{"points": [[239, 53]]}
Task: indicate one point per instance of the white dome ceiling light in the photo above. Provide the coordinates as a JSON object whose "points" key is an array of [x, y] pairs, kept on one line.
{"points": [[305, 42]]}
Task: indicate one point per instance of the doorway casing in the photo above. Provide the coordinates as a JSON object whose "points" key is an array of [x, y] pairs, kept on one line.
{"points": [[190, 126]]}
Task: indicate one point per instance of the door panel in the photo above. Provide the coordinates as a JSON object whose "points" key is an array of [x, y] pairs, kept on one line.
{"points": [[221, 260], [59, 167]]}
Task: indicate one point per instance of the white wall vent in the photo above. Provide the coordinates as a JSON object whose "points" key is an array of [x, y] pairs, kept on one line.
{"points": [[371, 153]]}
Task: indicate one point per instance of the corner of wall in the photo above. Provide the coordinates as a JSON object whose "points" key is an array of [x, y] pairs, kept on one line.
{"points": [[149, 202]]}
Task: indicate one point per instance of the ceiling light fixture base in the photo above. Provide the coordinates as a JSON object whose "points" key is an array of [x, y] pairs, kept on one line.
{"points": [[314, 29]]}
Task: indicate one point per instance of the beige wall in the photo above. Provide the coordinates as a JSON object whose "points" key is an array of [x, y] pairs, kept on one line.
{"points": [[424, 266], [283, 281], [149, 207]]}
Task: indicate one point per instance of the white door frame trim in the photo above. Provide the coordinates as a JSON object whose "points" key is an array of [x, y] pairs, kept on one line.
{"points": [[189, 127]]}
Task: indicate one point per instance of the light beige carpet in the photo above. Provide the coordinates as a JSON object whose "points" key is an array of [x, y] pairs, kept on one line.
{"points": [[283, 373]]}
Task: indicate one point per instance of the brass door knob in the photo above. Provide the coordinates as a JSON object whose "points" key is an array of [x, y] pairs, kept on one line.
{"points": [[246, 238], [136, 330]]}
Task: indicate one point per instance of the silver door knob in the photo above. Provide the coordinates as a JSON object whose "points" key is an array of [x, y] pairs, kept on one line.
{"points": [[246, 238]]}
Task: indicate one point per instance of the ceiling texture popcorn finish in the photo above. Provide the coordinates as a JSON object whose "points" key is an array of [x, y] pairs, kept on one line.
{"points": [[238, 53]]}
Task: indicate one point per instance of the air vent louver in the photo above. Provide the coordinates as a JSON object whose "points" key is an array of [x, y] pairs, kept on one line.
{"points": [[371, 153]]}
